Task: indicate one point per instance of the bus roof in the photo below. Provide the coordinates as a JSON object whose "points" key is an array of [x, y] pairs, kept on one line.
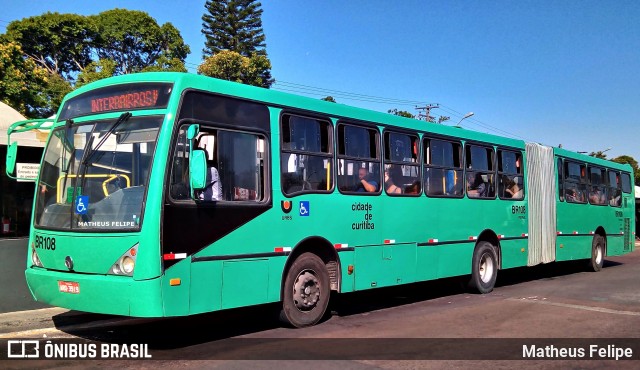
{"points": [[341, 111], [184, 81]]}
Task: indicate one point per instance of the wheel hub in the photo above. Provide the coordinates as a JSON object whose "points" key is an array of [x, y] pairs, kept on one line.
{"points": [[306, 291], [486, 268]]}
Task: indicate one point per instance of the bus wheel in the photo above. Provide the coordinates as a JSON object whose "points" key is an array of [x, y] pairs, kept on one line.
{"points": [[484, 268], [597, 253], [306, 291]]}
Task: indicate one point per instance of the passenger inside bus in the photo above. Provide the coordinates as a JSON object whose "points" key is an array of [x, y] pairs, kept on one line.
{"points": [[573, 195], [513, 189], [393, 176], [365, 182], [213, 190], [476, 186], [413, 188], [597, 196]]}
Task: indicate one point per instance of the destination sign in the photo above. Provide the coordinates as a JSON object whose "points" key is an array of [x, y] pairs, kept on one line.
{"points": [[142, 99], [118, 98]]}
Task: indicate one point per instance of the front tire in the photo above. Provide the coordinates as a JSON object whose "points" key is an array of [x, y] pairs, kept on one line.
{"points": [[484, 268], [597, 253], [306, 291]]}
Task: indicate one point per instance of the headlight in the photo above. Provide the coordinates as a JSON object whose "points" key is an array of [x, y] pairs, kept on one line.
{"points": [[127, 265], [35, 259]]}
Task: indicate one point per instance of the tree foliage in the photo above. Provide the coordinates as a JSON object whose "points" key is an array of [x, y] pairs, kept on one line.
{"points": [[401, 113], [599, 154], [235, 43], [443, 119], [95, 71], [60, 51], [231, 66], [60, 43], [21, 81], [234, 25], [135, 41]]}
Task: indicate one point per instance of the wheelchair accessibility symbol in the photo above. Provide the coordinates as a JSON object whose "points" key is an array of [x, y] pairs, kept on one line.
{"points": [[82, 202], [304, 208]]}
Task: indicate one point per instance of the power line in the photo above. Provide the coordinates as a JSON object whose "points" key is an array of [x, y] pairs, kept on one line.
{"points": [[351, 95]]}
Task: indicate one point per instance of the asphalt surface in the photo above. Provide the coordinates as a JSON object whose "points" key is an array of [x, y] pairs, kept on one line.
{"points": [[403, 327]]}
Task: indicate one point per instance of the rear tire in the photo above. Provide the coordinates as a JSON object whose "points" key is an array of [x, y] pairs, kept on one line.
{"points": [[597, 253], [484, 268], [306, 292]]}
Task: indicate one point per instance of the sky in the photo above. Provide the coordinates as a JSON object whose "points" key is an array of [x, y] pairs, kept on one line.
{"points": [[553, 72]]}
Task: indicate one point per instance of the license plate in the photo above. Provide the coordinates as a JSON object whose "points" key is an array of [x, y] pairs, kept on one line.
{"points": [[69, 287]]}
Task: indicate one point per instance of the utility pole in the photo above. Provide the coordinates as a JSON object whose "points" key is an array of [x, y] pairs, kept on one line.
{"points": [[427, 110]]}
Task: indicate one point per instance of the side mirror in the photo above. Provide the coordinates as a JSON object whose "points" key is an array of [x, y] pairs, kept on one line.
{"points": [[193, 131], [197, 170], [12, 152]]}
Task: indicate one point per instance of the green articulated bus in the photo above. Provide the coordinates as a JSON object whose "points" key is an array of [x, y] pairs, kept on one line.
{"points": [[171, 194]]}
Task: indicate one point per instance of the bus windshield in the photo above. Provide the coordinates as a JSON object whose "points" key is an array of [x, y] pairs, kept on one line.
{"points": [[94, 175]]}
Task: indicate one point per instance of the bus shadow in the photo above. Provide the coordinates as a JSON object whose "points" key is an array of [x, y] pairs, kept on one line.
{"points": [[170, 333], [383, 298], [181, 332]]}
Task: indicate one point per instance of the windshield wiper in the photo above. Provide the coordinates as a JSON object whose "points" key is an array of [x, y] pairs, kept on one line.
{"points": [[89, 152]]}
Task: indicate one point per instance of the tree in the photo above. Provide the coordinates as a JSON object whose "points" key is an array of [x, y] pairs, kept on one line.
{"points": [[95, 71], [401, 113], [443, 119], [329, 99], [53, 92], [135, 41], [234, 25], [59, 43], [231, 66], [22, 82], [62, 48], [626, 159], [599, 154]]}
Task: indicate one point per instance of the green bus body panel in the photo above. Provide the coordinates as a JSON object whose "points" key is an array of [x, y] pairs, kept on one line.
{"points": [[117, 295], [206, 287], [91, 253], [176, 297], [385, 265], [391, 240], [226, 284], [245, 283], [514, 253]]}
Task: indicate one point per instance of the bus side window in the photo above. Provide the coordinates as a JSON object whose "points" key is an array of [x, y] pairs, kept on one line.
{"points": [[306, 161], [179, 179], [479, 173], [626, 183], [615, 188], [511, 181], [241, 160], [560, 181], [575, 182], [443, 168], [358, 160], [401, 170]]}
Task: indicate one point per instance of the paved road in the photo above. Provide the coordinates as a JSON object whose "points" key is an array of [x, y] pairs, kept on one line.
{"points": [[530, 306], [14, 293]]}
